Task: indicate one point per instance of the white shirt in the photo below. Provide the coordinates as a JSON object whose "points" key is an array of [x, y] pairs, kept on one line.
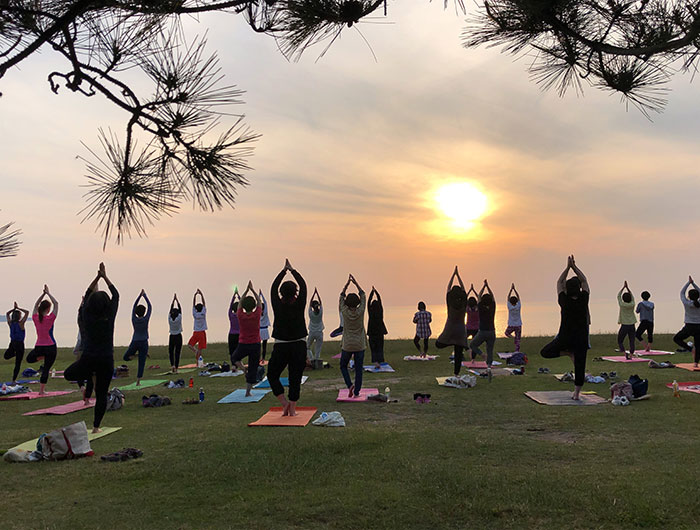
{"points": [[176, 324], [200, 319], [514, 314]]}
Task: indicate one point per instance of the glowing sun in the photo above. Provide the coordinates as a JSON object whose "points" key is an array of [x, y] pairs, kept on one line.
{"points": [[462, 202]]}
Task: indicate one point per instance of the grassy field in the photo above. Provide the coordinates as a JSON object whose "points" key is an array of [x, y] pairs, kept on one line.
{"points": [[486, 457]]}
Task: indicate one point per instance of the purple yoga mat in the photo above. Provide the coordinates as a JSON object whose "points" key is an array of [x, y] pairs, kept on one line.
{"points": [[343, 395]]}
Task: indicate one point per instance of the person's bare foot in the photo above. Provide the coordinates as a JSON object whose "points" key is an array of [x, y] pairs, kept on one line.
{"points": [[42, 393], [96, 430], [351, 390], [647, 349], [292, 409], [285, 409], [247, 393], [86, 402], [138, 383], [377, 365]]}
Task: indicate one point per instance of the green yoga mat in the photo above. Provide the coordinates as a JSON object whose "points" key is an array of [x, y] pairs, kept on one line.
{"points": [[145, 383], [31, 444]]}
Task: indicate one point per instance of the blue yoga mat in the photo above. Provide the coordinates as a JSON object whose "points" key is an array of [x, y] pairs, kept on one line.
{"points": [[238, 396], [283, 380], [383, 368], [21, 382]]}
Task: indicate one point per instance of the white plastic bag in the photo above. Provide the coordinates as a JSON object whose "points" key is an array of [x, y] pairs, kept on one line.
{"points": [[66, 442], [330, 419]]}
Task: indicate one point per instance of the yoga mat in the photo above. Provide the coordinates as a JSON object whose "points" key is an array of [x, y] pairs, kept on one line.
{"points": [[419, 358], [284, 380], [336, 356], [31, 444], [228, 374], [474, 364], [274, 418], [75, 406], [58, 374], [688, 366], [441, 382], [145, 383], [563, 397], [494, 371], [35, 395], [621, 359], [21, 382], [238, 396], [656, 352], [343, 395], [688, 386], [383, 368], [506, 355], [187, 366], [179, 371]]}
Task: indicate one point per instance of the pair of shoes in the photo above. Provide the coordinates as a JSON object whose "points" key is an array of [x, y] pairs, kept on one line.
{"points": [[568, 376], [191, 401], [621, 400], [419, 397], [521, 371], [612, 375], [543, 370], [124, 454], [604, 375]]}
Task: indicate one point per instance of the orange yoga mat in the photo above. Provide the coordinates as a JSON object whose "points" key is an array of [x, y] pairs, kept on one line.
{"points": [[274, 418], [688, 366]]}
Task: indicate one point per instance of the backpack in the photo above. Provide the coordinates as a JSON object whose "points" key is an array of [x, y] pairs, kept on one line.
{"points": [[115, 399], [639, 386], [622, 388], [517, 359]]}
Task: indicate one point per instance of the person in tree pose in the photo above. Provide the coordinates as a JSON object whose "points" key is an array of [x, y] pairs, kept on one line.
{"points": [[573, 295], [376, 329], [45, 347], [645, 308], [455, 333], [487, 327], [97, 315], [627, 320], [472, 313], [352, 307], [175, 334], [691, 304], [16, 318], [264, 324], [314, 341], [249, 312], [288, 301], [198, 340], [140, 317], [515, 322], [234, 329], [422, 319]]}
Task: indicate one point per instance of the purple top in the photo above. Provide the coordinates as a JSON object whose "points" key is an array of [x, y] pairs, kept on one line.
{"points": [[472, 318], [235, 328]]}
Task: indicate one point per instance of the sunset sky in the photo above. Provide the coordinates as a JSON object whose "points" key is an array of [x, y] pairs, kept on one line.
{"points": [[345, 175]]}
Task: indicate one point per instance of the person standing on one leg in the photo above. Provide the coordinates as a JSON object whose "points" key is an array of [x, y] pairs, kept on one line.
{"points": [[691, 304], [422, 320], [627, 320], [487, 328], [45, 347], [249, 313], [645, 308], [16, 318], [573, 295], [234, 330], [455, 333], [515, 322], [264, 324], [314, 342], [376, 329], [288, 301], [352, 307], [199, 333], [140, 317], [472, 313], [175, 334], [97, 315], [87, 386]]}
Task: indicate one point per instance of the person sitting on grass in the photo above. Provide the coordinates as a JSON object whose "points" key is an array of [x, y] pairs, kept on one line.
{"points": [[376, 329], [573, 295], [248, 312], [289, 331], [140, 317], [455, 332], [16, 318], [314, 342], [97, 315], [487, 327], [515, 321], [472, 313], [352, 307], [422, 319], [627, 320], [45, 347], [175, 334], [691, 304], [645, 308], [199, 333], [234, 329]]}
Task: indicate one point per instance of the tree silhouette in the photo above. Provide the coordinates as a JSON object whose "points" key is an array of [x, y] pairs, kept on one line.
{"points": [[9, 244], [175, 146]]}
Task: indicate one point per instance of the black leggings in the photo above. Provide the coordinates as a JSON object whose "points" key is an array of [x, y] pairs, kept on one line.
{"points": [[688, 331], [293, 356], [648, 326], [16, 350], [232, 345], [48, 353], [376, 347], [416, 341], [578, 347], [102, 368], [174, 349], [628, 331], [264, 349], [459, 354]]}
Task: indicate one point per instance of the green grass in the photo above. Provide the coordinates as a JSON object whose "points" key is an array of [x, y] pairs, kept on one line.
{"points": [[486, 457]]}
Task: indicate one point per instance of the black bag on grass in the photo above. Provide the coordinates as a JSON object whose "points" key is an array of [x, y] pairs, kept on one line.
{"points": [[115, 399], [639, 386]]}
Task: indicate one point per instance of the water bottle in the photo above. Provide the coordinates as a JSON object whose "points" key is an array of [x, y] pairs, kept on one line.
{"points": [[191, 383], [387, 390], [201, 395], [676, 389], [53, 372], [200, 362]]}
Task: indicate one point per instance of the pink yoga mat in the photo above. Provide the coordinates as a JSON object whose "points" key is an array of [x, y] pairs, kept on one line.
{"points": [[475, 364], [655, 352], [688, 386], [621, 359], [343, 395], [35, 395], [62, 409], [337, 356]]}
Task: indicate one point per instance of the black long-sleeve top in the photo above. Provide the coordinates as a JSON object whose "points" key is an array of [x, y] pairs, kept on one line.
{"points": [[97, 334], [289, 321]]}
